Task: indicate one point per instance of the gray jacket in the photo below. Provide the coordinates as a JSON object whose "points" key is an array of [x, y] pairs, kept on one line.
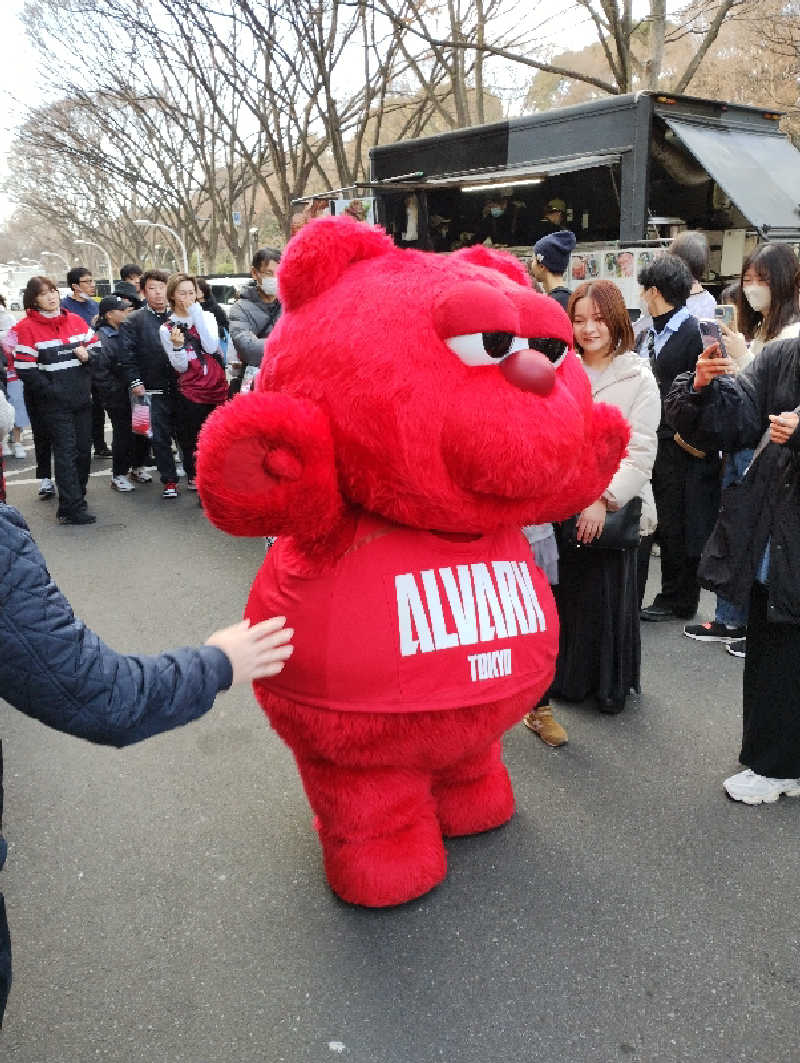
{"points": [[251, 321]]}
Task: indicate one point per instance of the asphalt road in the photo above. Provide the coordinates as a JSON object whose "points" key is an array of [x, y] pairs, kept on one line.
{"points": [[168, 904]]}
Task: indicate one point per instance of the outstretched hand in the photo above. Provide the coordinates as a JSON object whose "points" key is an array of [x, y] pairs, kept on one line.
{"points": [[257, 651]]}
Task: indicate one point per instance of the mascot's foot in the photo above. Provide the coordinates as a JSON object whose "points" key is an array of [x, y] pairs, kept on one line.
{"points": [[380, 872], [469, 806]]}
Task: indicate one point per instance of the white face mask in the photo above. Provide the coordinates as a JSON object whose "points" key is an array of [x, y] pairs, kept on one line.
{"points": [[758, 296], [269, 285]]}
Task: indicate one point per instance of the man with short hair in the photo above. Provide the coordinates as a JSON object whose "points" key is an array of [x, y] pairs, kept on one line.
{"points": [[82, 303], [147, 369], [549, 264], [127, 287], [253, 316]]}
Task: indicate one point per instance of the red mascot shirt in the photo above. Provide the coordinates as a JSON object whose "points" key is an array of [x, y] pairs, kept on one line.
{"points": [[408, 621]]}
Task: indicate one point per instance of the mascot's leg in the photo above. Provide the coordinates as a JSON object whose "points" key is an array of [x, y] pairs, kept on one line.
{"points": [[380, 835], [474, 794]]}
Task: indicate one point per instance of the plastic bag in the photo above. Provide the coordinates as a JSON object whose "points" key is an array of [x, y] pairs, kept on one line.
{"points": [[141, 422]]}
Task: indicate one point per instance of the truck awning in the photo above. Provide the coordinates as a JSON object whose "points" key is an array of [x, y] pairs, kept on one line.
{"points": [[506, 175], [760, 172]]}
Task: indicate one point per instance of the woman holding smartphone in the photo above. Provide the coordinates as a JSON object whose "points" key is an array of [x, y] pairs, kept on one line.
{"points": [[767, 310], [190, 339], [753, 555]]}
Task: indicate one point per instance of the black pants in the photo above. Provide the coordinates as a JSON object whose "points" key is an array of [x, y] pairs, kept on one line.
{"points": [[98, 421], [71, 434], [128, 448], [770, 693], [680, 589], [162, 416], [41, 435], [190, 418]]}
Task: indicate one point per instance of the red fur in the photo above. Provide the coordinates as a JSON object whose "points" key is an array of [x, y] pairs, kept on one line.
{"points": [[362, 405]]}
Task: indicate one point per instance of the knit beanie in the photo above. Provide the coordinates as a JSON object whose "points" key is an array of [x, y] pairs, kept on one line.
{"points": [[553, 251]]}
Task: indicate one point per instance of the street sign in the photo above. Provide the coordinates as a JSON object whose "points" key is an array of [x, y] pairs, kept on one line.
{"points": [[237, 217]]}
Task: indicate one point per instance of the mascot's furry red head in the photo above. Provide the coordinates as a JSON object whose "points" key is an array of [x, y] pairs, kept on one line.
{"points": [[413, 411]]}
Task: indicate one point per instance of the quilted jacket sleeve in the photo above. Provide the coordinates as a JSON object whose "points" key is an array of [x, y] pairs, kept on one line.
{"points": [[54, 668]]}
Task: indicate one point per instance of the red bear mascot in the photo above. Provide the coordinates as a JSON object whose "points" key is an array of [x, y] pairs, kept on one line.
{"points": [[413, 411]]}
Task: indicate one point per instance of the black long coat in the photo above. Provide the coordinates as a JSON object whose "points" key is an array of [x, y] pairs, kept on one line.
{"points": [[765, 507]]}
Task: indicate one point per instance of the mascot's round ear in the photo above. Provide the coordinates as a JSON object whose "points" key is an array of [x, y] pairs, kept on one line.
{"points": [[320, 253], [503, 261]]}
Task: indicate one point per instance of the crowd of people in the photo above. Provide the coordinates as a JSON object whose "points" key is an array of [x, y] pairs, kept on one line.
{"points": [[155, 357], [710, 479]]}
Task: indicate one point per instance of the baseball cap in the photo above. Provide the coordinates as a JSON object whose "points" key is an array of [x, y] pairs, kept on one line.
{"points": [[113, 302]]}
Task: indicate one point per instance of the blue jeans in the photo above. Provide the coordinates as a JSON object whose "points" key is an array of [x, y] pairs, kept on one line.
{"points": [[735, 465]]}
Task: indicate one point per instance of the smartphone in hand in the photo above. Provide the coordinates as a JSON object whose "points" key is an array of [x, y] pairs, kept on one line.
{"points": [[726, 313], [712, 333]]}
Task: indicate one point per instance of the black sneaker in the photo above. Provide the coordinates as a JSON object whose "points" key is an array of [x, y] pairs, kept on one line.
{"points": [[81, 517], [738, 648], [713, 631], [102, 452]]}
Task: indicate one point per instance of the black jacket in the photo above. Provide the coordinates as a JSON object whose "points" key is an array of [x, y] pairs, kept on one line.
{"points": [[106, 365], [765, 506], [141, 354], [53, 668]]}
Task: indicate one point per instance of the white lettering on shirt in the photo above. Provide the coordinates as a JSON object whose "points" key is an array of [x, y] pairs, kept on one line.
{"points": [[409, 606], [485, 603], [494, 665]]}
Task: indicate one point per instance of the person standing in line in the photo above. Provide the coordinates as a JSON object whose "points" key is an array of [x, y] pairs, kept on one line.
{"points": [[767, 308], [254, 315], [128, 449], [753, 555], [549, 264], [127, 287], [83, 303], [147, 370], [6, 422], [12, 445], [597, 594], [692, 248], [190, 341], [55, 669], [208, 302], [51, 352], [685, 475]]}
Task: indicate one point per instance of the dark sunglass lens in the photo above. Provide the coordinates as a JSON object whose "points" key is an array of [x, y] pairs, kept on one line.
{"points": [[497, 344]]}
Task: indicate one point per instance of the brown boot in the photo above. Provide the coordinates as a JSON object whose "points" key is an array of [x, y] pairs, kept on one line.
{"points": [[541, 722]]}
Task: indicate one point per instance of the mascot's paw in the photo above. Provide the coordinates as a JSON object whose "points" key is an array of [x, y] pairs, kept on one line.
{"points": [[469, 806], [392, 869]]}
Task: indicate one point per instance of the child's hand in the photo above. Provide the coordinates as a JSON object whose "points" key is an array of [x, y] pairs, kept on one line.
{"points": [[257, 651]]}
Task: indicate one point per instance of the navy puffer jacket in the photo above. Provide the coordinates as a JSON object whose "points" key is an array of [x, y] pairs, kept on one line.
{"points": [[54, 668]]}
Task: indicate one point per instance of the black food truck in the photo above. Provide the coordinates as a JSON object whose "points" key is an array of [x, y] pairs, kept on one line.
{"points": [[632, 171]]}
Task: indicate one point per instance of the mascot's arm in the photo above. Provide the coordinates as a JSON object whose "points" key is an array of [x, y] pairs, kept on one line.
{"points": [[604, 448], [265, 466]]}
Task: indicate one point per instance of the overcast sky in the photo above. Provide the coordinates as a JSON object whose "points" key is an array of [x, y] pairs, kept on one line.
{"points": [[16, 81]]}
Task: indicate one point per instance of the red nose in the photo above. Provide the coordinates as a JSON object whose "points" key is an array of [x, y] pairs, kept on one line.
{"points": [[529, 370]]}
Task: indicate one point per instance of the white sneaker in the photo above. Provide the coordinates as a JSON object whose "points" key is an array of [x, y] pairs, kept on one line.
{"points": [[121, 483], [7, 451], [20, 451], [141, 475], [754, 789], [47, 489]]}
